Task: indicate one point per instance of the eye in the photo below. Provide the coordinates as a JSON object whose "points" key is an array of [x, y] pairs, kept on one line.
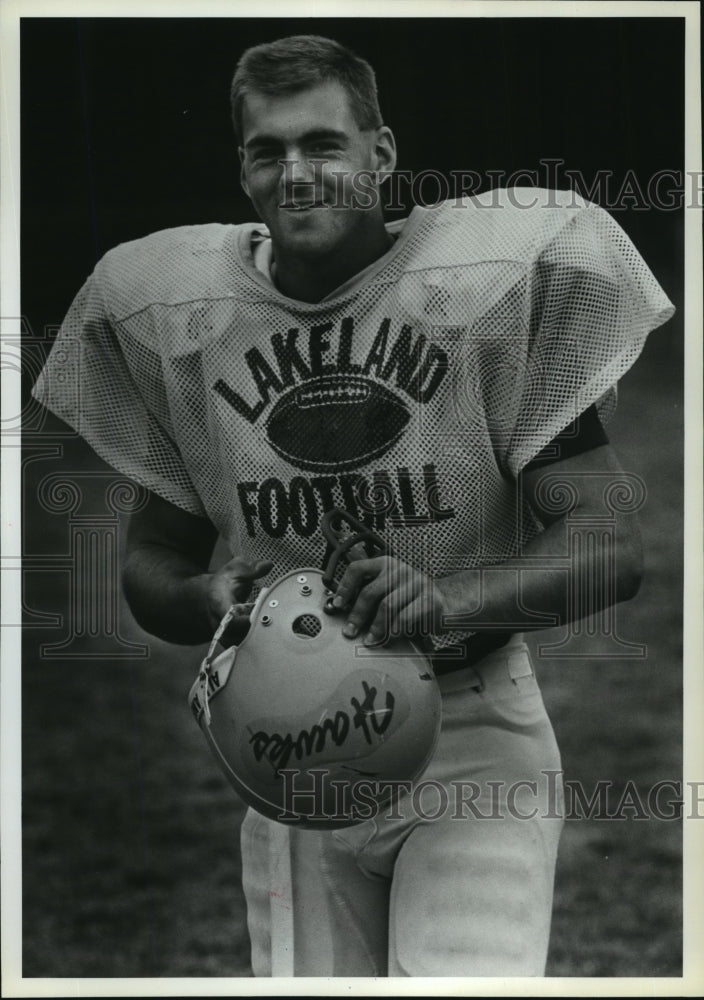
{"points": [[265, 154], [323, 149]]}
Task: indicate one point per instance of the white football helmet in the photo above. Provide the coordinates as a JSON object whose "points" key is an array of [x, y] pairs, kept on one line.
{"points": [[311, 727]]}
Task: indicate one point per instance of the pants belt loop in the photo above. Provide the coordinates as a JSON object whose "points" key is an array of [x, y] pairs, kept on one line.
{"points": [[519, 665], [480, 685]]}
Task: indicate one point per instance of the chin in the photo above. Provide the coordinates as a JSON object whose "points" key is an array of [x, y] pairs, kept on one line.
{"points": [[310, 240]]}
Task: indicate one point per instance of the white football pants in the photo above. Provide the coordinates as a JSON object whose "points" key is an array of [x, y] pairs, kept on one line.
{"points": [[456, 880]]}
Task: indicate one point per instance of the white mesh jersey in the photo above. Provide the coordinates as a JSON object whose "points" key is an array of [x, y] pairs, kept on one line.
{"points": [[411, 396]]}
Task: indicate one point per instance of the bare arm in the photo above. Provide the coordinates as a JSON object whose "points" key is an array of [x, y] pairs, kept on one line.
{"points": [[166, 579], [545, 574], [385, 594]]}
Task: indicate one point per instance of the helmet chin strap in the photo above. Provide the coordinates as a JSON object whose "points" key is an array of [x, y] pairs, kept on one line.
{"points": [[335, 526]]}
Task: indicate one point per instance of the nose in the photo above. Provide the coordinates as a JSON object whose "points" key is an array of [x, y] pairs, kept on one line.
{"points": [[301, 169], [298, 177]]}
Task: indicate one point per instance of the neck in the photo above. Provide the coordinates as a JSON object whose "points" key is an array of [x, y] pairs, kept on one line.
{"points": [[311, 279]]}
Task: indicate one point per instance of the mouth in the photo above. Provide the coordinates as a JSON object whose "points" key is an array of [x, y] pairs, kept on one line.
{"points": [[297, 206]]}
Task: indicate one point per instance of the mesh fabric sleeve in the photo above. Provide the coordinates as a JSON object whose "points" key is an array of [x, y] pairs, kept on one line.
{"points": [[112, 392], [582, 435], [593, 302]]}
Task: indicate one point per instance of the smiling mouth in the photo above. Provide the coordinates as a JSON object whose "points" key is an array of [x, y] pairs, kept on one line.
{"points": [[297, 206]]}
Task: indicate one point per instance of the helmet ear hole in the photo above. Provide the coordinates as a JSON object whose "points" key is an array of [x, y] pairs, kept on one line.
{"points": [[307, 626]]}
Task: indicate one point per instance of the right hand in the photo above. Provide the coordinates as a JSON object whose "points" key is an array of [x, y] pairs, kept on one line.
{"points": [[229, 585]]}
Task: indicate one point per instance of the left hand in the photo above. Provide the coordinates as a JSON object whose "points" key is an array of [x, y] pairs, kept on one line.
{"points": [[385, 597], [229, 585]]}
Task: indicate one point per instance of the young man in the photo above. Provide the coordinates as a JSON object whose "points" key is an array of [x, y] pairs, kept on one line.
{"points": [[449, 372]]}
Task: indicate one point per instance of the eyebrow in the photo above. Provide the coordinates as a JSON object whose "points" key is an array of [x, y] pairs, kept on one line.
{"points": [[312, 136]]}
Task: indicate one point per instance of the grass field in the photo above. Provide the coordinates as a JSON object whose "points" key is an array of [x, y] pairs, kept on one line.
{"points": [[130, 834]]}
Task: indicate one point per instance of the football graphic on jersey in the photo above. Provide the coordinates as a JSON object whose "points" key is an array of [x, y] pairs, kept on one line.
{"points": [[336, 422]]}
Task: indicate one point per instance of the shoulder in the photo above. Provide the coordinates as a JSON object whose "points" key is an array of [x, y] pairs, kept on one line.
{"points": [[528, 203], [509, 224], [168, 267]]}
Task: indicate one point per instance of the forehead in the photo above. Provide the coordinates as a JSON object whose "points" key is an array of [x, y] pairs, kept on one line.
{"points": [[325, 106]]}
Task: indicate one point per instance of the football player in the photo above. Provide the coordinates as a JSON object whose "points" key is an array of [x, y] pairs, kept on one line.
{"points": [[445, 378]]}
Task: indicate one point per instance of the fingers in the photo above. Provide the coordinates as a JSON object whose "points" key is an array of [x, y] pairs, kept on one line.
{"points": [[362, 586], [384, 597], [365, 606], [354, 577], [241, 573], [231, 584], [408, 610], [384, 624], [248, 569]]}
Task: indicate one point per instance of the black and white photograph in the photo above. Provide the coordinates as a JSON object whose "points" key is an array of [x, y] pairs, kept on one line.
{"points": [[351, 492]]}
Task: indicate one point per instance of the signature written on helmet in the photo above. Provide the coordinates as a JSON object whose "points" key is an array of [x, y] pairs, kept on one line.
{"points": [[362, 717]]}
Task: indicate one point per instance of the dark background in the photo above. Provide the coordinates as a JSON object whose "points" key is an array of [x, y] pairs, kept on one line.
{"points": [[130, 862], [126, 123]]}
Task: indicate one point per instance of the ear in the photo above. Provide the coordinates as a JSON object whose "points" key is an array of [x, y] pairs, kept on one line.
{"points": [[243, 178], [385, 151]]}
